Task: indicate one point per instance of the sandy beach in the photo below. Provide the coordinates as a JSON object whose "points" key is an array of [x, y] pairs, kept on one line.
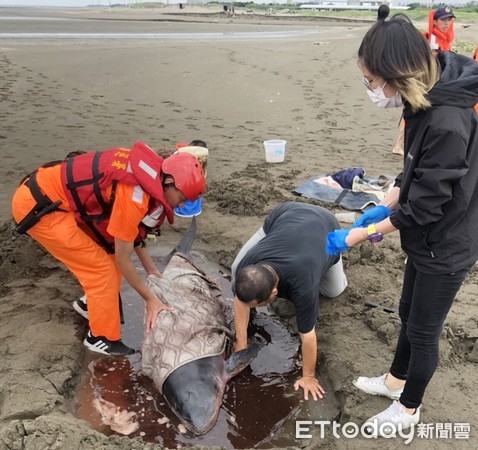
{"points": [[232, 82]]}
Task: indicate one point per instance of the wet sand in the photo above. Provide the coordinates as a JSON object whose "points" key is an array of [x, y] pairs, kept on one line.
{"points": [[233, 91], [246, 399]]}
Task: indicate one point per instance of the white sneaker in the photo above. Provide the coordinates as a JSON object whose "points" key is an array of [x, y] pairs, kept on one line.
{"points": [[392, 420], [376, 386], [80, 307]]}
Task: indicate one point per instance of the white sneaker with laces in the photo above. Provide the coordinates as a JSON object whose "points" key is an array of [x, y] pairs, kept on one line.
{"points": [[376, 386], [391, 421]]}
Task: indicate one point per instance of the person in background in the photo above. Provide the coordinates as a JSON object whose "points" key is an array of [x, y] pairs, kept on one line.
{"points": [[198, 143], [440, 29], [190, 209], [286, 258], [434, 203], [86, 210]]}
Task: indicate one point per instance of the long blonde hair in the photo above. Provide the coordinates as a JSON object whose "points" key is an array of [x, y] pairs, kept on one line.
{"points": [[397, 52]]}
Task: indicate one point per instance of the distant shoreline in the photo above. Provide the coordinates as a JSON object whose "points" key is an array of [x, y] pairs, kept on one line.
{"points": [[466, 30], [170, 13]]}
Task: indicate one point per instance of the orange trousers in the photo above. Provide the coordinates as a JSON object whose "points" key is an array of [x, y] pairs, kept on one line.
{"points": [[59, 233]]}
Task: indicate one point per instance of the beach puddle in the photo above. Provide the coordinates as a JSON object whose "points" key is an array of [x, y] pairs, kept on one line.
{"points": [[260, 407]]}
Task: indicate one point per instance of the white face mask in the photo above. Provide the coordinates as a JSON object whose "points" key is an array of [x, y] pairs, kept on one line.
{"points": [[378, 97]]}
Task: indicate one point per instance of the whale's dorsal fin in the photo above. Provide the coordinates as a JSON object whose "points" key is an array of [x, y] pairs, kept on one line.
{"points": [[186, 242]]}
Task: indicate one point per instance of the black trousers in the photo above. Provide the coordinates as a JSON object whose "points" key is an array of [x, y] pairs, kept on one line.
{"points": [[424, 305]]}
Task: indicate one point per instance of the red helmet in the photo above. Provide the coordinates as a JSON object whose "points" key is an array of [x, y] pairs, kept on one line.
{"points": [[187, 173]]}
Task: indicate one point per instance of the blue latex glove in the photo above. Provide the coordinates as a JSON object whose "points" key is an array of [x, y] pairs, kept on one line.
{"points": [[372, 215], [336, 242]]}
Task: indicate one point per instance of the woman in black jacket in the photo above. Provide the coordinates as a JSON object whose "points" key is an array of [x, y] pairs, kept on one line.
{"points": [[434, 203]]}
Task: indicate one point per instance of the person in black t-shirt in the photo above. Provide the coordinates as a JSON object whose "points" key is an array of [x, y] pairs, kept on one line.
{"points": [[286, 258]]}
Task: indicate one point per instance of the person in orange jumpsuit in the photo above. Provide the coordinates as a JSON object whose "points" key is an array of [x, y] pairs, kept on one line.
{"points": [[86, 211]]}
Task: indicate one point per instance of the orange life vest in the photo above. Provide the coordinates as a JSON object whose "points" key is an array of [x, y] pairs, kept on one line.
{"points": [[87, 176], [434, 36]]}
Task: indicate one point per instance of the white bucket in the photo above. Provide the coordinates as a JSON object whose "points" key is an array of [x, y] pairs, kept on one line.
{"points": [[275, 150]]}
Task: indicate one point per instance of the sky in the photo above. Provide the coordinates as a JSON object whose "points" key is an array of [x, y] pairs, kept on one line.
{"points": [[79, 3]]}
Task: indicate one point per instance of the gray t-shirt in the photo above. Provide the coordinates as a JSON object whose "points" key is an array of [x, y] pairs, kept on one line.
{"points": [[294, 246]]}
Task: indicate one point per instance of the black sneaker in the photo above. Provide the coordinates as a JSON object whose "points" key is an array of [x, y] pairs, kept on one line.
{"points": [[81, 307], [106, 347]]}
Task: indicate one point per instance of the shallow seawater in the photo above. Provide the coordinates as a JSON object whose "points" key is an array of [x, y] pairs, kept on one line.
{"points": [[260, 406]]}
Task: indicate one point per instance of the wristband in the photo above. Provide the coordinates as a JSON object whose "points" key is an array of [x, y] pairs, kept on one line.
{"points": [[373, 235]]}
